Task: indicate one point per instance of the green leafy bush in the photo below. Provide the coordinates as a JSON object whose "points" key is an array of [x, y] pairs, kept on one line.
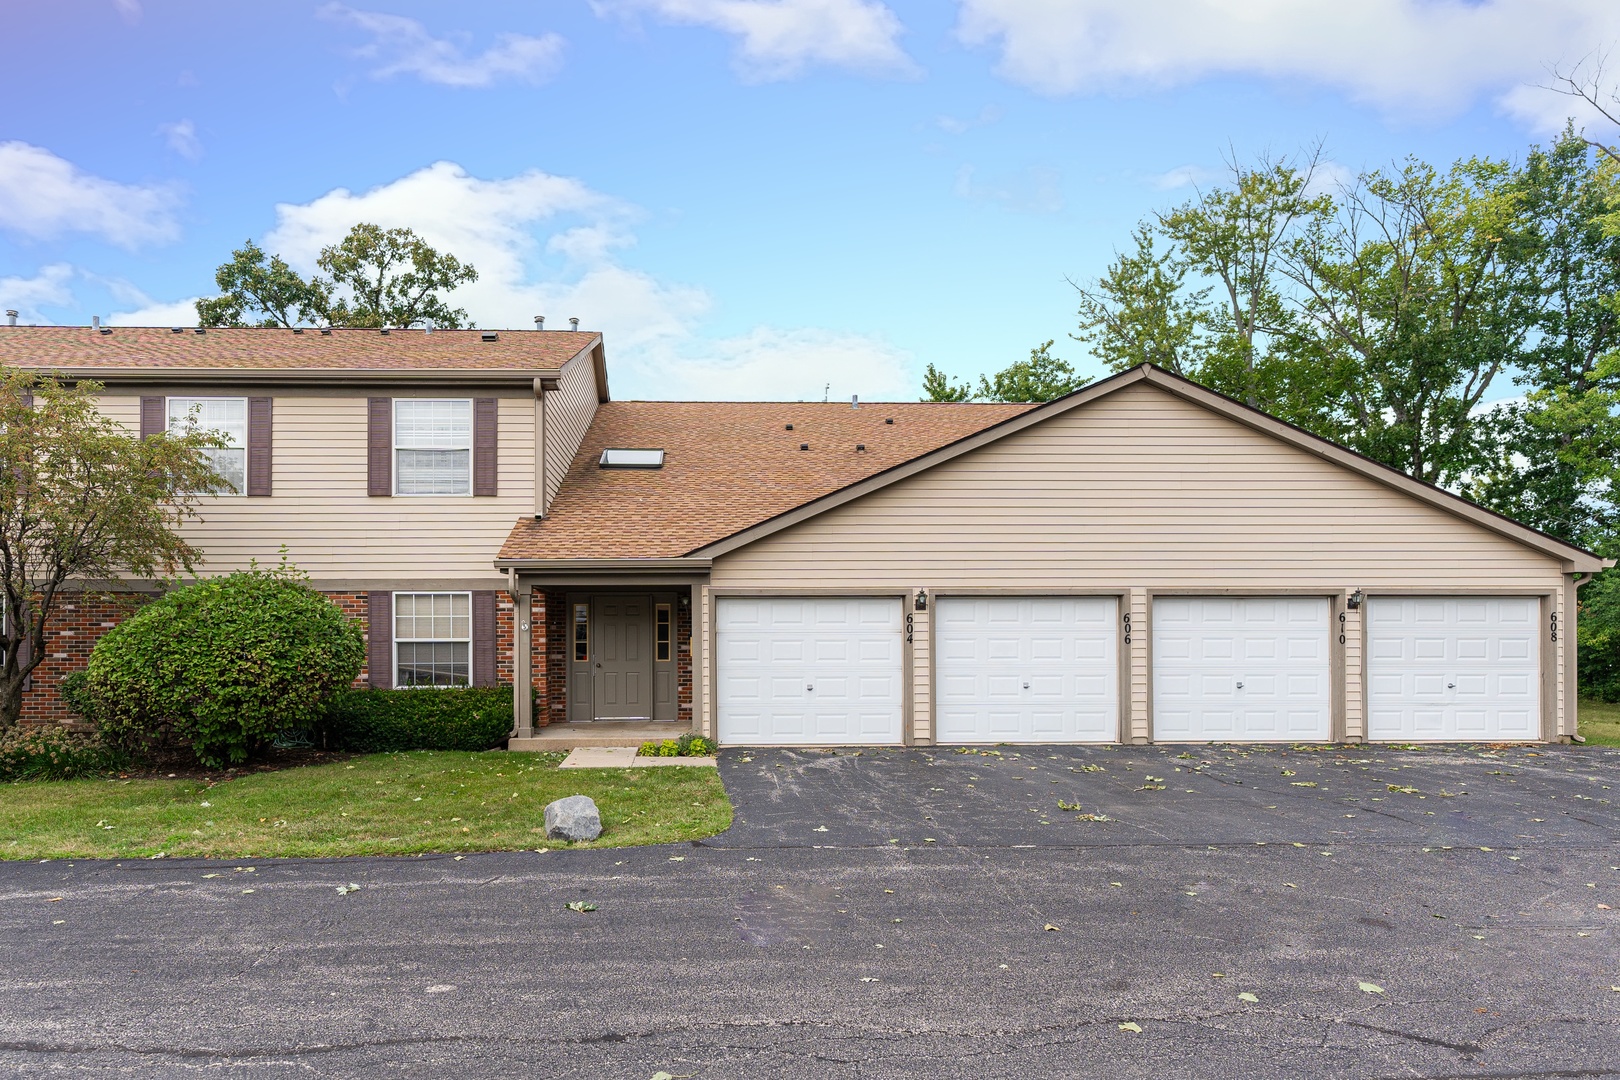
{"points": [[1598, 633], [52, 753], [74, 692], [424, 718], [222, 667], [688, 745]]}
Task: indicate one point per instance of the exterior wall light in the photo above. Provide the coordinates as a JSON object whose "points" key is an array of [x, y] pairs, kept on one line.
{"points": [[921, 602], [1353, 601]]}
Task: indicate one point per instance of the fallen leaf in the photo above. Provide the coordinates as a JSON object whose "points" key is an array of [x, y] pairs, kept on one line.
{"points": [[1246, 996], [345, 890], [819, 828], [1117, 884], [54, 900], [580, 906], [1049, 926], [1129, 1026], [1370, 988]]}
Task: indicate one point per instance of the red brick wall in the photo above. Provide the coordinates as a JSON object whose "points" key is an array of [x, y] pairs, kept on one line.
{"points": [[683, 662], [77, 621], [357, 606], [552, 656]]}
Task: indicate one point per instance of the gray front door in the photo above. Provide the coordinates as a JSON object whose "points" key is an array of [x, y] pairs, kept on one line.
{"points": [[621, 658]]}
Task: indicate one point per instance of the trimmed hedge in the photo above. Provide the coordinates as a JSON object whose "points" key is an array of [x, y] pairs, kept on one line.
{"points": [[424, 718], [54, 754]]}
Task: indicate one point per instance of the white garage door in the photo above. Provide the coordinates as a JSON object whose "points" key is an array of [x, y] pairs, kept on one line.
{"points": [[1255, 668], [1453, 668], [809, 671], [1027, 669]]}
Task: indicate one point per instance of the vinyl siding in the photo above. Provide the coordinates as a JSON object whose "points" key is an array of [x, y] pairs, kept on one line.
{"points": [[331, 528], [569, 410], [922, 664], [1141, 493]]}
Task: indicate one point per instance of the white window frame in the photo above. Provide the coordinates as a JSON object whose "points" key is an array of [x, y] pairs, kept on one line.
{"points": [[393, 442], [393, 615], [169, 421]]}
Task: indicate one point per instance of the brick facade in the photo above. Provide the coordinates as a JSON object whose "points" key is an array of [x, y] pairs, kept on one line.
{"points": [[81, 618]]}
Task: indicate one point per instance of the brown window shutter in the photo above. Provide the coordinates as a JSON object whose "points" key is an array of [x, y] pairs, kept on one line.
{"points": [[483, 642], [379, 446], [485, 447], [380, 640], [154, 416], [258, 447]]}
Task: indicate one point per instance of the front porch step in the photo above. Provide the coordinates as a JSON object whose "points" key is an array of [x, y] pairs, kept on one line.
{"points": [[556, 737]]}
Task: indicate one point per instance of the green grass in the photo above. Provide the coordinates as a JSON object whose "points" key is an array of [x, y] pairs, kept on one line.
{"points": [[1600, 723], [381, 804]]}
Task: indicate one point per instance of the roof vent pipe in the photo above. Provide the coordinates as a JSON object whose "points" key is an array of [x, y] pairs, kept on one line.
{"points": [[854, 401], [573, 324], [539, 322], [11, 316], [95, 321]]}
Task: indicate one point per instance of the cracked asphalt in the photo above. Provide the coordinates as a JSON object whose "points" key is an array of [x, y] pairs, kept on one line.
{"points": [[890, 913]]}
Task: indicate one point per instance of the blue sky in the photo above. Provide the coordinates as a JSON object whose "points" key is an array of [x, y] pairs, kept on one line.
{"points": [[750, 198]]}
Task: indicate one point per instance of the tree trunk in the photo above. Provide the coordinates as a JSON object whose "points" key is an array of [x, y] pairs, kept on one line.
{"points": [[11, 700]]}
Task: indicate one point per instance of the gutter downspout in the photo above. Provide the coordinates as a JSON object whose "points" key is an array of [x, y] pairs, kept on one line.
{"points": [[539, 449]]}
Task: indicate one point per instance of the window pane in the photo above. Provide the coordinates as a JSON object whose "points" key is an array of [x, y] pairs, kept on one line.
{"points": [[435, 472], [432, 425], [231, 465], [434, 663], [226, 416]]}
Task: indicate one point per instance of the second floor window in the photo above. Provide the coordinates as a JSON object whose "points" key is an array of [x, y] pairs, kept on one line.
{"points": [[432, 446], [223, 416]]}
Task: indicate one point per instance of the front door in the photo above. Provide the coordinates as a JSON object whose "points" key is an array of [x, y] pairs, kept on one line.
{"points": [[621, 658]]}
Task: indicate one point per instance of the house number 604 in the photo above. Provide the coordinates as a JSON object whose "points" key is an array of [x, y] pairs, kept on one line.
{"points": [[908, 627]]}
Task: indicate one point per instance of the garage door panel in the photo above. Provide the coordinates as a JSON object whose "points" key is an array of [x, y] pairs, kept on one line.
{"points": [[1027, 669], [831, 668], [1241, 668], [1453, 668]]}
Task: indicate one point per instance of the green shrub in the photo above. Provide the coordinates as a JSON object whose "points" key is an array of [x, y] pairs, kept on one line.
{"points": [[688, 745], [222, 667], [1597, 633], [52, 753], [74, 690], [424, 718]]}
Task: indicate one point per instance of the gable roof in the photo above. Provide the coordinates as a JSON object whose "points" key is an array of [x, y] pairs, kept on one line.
{"points": [[1575, 559], [727, 466], [276, 352]]}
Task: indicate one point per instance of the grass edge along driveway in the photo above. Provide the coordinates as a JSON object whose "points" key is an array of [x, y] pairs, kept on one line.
{"points": [[1600, 722], [379, 804]]}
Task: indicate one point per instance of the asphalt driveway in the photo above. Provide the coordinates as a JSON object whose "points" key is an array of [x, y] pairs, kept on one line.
{"points": [[885, 914]]}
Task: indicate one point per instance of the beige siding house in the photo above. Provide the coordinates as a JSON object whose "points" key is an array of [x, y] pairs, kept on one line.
{"points": [[1141, 561]]}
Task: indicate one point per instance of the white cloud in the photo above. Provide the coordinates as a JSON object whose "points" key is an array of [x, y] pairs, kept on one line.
{"points": [[1187, 176], [779, 39], [1036, 190], [768, 364], [402, 46], [1412, 56], [182, 139], [26, 296], [956, 125], [154, 313], [42, 196]]}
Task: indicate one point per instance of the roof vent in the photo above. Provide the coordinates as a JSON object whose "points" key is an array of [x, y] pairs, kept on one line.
{"points": [[539, 322], [177, 329], [199, 330], [489, 335], [860, 446], [573, 324], [326, 331], [11, 316], [298, 329], [105, 329], [790, 427], [95, 321], [890, 420], [854, 401], [382, 330], [625, 458], [804, 446]]}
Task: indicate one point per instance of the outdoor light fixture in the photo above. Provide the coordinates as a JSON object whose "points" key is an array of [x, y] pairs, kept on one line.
{"points": [[922, 600], [1353, 601]]}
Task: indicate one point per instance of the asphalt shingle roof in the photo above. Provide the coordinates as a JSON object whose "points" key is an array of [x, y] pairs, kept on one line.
{"points": [[256, 349], [727, 466]]}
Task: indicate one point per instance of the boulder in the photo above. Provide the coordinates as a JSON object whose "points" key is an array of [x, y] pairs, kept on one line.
{"points": [[573, 818]]}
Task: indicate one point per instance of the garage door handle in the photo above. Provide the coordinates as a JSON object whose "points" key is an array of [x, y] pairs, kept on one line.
{"points": [[1451, 686], [1026, 686], [1240, 686], [809, 688]]}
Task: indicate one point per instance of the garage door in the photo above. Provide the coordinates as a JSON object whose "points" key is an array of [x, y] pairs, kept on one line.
{"points": [[1255, 668], [1453, 668], [809, 671], [1027, 669]]}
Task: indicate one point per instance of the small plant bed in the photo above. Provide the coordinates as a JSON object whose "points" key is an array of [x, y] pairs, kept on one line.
{"points": [[1600, 723], [688, 745], [379, 804]]}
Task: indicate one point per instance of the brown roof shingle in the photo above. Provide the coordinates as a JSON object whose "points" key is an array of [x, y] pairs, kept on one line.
{"points": [[77, 348], [727, 465]]}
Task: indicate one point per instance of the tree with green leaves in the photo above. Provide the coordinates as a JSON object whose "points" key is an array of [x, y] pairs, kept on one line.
{"points": [[1040, 378], [82, 500], [937, 386], [373, 277], [1141, 312]]}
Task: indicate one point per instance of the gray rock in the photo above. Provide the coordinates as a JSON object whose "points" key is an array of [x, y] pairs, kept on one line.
{"points": [[573, 818]]}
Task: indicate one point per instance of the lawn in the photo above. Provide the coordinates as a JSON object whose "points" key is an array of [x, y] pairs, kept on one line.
{"points": [[381, 804], [1600, 723]]}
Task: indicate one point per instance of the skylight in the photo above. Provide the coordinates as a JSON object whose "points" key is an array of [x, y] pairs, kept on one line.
{"points": [[621, 458]]}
